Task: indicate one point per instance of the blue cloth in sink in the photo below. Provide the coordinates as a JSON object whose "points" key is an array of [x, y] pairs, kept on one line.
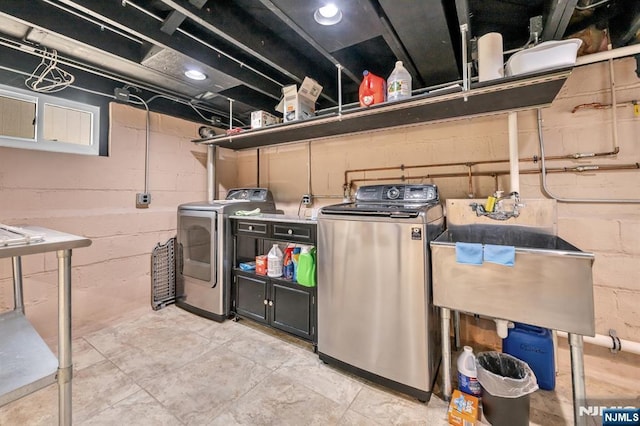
{"points": [[469, 253], [502, 255]]}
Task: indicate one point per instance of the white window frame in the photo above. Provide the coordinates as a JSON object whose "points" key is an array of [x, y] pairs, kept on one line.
{"points": [[39, 142]]}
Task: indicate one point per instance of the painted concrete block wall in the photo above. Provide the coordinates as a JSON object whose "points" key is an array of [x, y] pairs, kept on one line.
{"points": [[611, 231], [95, 197]]}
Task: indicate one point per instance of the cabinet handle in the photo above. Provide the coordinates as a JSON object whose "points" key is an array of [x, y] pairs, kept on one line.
{"points": [[250, 228], [270, 302], [290, 232], [265, 301]]}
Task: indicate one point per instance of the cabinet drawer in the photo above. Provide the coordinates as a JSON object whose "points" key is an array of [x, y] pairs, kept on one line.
{"points": [[251, 228], [294, 232]]}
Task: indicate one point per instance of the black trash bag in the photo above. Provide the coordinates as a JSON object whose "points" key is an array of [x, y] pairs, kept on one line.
{"points": [[504, 375]]}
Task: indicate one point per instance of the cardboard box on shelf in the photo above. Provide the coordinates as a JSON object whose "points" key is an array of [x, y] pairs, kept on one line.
{"points": [[463, 409], [298, 104], [261, 265], [263, 119]]}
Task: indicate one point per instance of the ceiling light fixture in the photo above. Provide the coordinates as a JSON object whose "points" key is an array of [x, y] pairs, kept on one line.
{"points": [[328, 14], [195, 75]]}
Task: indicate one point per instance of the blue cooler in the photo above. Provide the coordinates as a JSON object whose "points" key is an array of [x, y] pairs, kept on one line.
{"points": [[533, 345]]}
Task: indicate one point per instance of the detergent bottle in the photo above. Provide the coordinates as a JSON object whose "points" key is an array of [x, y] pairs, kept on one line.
{"points": [[294, 257], [287, 263], [373, 89], [307, 267]]}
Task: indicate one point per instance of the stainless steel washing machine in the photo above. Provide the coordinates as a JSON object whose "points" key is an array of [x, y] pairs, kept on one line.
{"points": [[375, 313], [205, 250]]}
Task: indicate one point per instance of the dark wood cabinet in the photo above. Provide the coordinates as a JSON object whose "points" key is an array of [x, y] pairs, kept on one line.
{"points": [[277, 302], [251, 296]]}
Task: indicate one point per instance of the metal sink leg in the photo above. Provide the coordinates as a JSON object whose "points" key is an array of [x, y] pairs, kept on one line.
{"points": [[445, 319], [577, 378]]}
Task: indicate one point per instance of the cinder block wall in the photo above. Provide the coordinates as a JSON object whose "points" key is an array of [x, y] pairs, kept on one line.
{"points": [[611, 231], [95, 197]]}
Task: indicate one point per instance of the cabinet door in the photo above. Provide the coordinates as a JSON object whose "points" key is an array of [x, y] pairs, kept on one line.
{"points": [[293, 309], [251, 297]]}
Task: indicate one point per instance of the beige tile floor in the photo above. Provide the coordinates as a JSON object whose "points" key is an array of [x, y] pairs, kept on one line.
{"points": [[170, 367]]}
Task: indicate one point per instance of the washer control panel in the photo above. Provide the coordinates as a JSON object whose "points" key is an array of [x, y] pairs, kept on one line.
{"points": [[423, 193], [251, 194]]}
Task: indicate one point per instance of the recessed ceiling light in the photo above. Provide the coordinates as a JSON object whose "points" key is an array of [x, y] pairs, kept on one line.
{"points": [[328, 14], [195, 75]]}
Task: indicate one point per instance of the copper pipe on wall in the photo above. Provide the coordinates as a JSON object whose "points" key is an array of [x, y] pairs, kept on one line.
{"points": [[470, 164], [598, 105], [495, 174]]}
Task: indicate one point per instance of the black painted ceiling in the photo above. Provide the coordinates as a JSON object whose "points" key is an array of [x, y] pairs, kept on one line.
{"points": [[250, 49]]}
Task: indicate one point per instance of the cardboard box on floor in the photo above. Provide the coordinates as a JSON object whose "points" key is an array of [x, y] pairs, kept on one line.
{"points": [[299, 104], [463, 409]]}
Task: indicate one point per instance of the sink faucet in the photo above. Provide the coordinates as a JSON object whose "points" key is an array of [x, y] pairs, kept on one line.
{"points": [[494, 208]]}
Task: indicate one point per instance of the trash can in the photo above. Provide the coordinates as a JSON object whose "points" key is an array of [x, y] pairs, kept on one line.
{"points": [[506, 383]]}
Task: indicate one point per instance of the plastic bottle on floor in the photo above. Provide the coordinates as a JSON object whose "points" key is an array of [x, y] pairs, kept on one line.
{"points": [[467, 375], [533, 345]]}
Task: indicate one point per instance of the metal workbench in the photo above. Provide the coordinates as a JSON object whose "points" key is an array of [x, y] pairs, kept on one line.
{"points": [[27, 363]]}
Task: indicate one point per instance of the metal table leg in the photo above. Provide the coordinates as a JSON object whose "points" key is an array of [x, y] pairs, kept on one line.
{"points": [[65, 371], [577, 378], [445, 319]]}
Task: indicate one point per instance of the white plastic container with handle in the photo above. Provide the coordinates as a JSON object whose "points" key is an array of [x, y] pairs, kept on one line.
{"points": [[399, 83], [274, 262], [467, 374]]}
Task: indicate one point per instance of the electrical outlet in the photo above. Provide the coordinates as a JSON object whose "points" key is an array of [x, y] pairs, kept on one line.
{"points": [[306, 199], [143, 199]]}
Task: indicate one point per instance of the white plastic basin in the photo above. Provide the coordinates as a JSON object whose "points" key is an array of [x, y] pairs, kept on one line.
{"points": [[545, 56]]}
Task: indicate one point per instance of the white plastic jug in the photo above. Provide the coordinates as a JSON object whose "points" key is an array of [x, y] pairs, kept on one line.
{"points": [[274, 262], [399, 83], [467, 374]]}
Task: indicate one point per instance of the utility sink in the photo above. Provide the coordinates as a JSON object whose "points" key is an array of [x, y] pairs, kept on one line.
{"points": [[550, 284]]}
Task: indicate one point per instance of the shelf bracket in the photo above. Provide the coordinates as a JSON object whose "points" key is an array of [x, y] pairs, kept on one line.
{"points": [[466, 80], [230, 113], [339, 67]]}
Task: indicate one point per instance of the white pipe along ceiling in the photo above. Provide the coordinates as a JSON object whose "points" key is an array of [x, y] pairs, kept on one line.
{"points": [[247, 50]]}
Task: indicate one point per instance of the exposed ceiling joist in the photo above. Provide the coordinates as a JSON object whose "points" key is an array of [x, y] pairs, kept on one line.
{"points": [[146, 28], [250, 49], [556, 19], [175, 18]]}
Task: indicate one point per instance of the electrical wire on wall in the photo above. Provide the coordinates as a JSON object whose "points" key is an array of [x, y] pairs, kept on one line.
{"points": [[25, 47], [144, 199], [309, 190]]}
